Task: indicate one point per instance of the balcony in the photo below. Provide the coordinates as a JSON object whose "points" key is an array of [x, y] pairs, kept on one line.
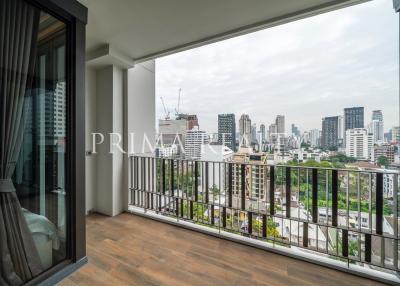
{"points": [[134, 250], [341, 218]]}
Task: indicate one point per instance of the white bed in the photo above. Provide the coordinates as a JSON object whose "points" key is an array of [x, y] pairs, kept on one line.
{"points": [[45, 236]]}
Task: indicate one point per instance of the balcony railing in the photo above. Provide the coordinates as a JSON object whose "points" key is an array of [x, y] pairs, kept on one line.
{"points": [[349, 216]]}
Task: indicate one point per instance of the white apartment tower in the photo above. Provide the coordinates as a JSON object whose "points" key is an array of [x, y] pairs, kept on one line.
{"points": [[193, 141], [314, 138], [376, 126], [359, 143], [376, 129]]}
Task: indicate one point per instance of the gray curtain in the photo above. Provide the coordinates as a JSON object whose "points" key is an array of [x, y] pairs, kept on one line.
{"points": [[18, 39]]}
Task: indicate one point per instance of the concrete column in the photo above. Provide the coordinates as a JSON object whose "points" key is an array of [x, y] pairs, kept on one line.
{"points": [[120, 99]]}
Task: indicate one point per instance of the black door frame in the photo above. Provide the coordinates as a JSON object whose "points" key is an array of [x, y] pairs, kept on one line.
{"points": [[74, 15]]}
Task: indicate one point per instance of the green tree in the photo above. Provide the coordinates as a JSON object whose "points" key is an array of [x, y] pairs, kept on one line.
{"points": [[383, 161], [215, 190]]}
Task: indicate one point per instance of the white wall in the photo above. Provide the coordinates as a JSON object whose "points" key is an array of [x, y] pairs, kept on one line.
{"points": [[141, 106], [104, 105], [90, 125], [118, 127], [117, 101]]}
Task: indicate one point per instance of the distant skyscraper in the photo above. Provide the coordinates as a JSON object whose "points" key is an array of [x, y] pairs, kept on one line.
{"points": [[377, 115], [341, 128], [376, 126], [376, 129], [330, 129], [280, 123], [388, 136], [262, 131], [254, 133], [227, 130], [273, 133], [353, 118], [244, 131], [191, 120], [314, 138], [295, 130], [396, 134]]}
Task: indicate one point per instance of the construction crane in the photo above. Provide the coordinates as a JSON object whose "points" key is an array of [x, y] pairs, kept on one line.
{"points": [[165, 109], [179, 102]]}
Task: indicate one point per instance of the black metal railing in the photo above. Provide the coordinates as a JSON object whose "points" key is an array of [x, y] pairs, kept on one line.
{"points": [[345, 214]]}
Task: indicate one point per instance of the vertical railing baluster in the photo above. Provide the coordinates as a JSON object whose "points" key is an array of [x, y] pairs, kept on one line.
{"points": [[191, 210], [395, 219], [163, 182], [243, 186], [272, 190], [264, 224], [224, 217], [206, 182], [345, 243], [335, 188], [315, 195], [172, 183], [379, 203], [250, 223], [367, 245], [196, 181], [305, 234], [212, 214], [230, 183], [288, 191]]}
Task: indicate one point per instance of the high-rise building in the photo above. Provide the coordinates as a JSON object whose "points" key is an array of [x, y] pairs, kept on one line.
{"points": [[254, 133], [273, 133], [262, 131], [60, 105], [193, 141], [295, 130], [280, 124], [388, 136], [359, 143], [244, 131], [385, 150], [376, 126], [353, 118], [396, 134], [377, 115], [227, 130], [341, 128], [314, 138], [172, 132], [376, 129], [330, 131], [255, 175], [191, 120]]}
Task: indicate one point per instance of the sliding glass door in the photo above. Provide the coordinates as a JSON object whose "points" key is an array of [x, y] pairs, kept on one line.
{"points": [[37, 198], [40, 170]]}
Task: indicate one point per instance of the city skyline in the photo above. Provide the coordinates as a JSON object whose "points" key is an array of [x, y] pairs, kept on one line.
{"points": [[233, 76]]}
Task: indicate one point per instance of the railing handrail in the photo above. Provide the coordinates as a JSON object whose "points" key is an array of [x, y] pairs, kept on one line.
{"points": [[307, 211], [372, 171]]}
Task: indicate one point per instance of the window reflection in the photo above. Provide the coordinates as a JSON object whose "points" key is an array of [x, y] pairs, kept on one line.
{"points": [[40, 171]]}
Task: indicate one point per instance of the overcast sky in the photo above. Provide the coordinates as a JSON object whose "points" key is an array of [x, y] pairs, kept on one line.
{"points": [[305, 70]]}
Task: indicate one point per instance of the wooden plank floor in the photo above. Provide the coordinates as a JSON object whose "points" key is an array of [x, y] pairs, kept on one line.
{"points": [[132, 250]]}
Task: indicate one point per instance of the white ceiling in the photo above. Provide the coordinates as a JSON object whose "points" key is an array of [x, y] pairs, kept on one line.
{"points": [[145, 29]]}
